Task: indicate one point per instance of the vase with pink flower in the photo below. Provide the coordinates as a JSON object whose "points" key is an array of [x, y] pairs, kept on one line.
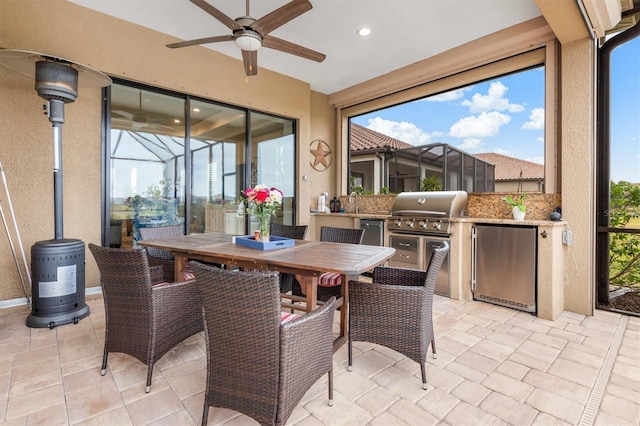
{"points": [[262, 202]]}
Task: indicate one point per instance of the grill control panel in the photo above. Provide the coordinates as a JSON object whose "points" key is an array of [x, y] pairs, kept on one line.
{"points": [[419, 225]]}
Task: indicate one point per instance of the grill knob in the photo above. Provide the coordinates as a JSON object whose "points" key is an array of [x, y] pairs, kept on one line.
{"points": [[398, 222], [410, 223], [437, 225], [423, 224]]}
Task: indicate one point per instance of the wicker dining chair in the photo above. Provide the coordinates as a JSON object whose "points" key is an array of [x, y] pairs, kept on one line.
{"points": [[395, 310], [329, 283], [257, 364], [296, 232], [144, 317], [162, 257]]}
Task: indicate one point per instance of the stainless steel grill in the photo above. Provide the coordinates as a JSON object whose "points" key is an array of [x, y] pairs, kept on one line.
{"points": [[426, 213], [419, 223]]}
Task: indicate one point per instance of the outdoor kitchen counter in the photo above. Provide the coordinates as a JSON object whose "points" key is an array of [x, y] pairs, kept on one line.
{"points": [[341, 220], [552, 255]]}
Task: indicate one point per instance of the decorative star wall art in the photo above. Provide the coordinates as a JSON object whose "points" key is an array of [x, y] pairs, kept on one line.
{"points": [[321, 155]]}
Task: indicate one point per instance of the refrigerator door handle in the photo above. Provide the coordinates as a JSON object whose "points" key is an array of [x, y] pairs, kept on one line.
{"points": [[474, 250]]}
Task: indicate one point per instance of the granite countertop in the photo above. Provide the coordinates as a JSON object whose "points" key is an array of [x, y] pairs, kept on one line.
{"points": [[380, 215], [531, 222]]}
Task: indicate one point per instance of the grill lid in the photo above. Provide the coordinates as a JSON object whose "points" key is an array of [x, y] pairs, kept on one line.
{"points": [[441, 204]]}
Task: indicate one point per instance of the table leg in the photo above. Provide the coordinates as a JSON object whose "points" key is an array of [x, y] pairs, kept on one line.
{"points": [[311, 293], [178, 267]]}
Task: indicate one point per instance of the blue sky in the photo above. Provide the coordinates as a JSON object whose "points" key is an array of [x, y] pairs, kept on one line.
{"points": [[506, 115]]}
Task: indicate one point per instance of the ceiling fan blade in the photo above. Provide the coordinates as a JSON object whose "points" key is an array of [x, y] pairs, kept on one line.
{"points": [[250, 59], [292, 48], [281, 16], [197, 41], [227, 21]]}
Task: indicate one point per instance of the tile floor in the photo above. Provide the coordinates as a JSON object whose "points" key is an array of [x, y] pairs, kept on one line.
{"points": [[494, 366]]}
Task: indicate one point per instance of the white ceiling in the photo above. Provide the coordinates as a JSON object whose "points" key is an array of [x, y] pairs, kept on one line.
{"points": [[404, 31]]}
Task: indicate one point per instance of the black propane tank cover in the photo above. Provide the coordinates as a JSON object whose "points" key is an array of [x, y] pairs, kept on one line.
{"points": [[58, 286]]}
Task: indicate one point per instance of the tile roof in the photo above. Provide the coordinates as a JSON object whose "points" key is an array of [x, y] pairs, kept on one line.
{"points": [[508, 168], [366, 139]]}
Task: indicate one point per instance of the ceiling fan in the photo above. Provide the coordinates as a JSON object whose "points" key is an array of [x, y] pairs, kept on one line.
{"points": [[250, 34]]}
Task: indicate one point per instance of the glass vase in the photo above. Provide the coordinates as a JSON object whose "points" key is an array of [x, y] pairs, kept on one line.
{"points": [[265, 223]]}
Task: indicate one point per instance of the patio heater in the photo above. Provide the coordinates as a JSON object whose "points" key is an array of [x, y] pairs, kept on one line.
{"points": [[57, 265]]}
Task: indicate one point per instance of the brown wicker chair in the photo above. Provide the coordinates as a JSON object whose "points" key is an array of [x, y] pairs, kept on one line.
{"points": [[255, 364], [142, 319], [329, 283], [395, 310], [296, 232], [162, 257]]}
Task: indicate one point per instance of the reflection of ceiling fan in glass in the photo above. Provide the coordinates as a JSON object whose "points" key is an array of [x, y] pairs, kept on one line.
{"points": [[250, 34], [137, 119]]}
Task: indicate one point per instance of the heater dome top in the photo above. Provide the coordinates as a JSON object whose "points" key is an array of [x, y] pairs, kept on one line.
{"points": [[24, 62]]}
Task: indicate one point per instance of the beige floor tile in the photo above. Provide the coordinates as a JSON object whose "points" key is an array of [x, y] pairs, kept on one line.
{"points": [[442, 379], [377, 400], [470, 392], [118, 416], [344, 411], [548, 340], [189, 384], [606, 419], [544, 353], [574, 372], [544, 419], [588, 359], [478, 362], [512, 369], [556, 385], [511, 411], [556, 406], [182, 418], [35, 369], [468, 373], [34, 384], [370, 363], [386, 419], [623, 393], [506, 339], [82, 404], [508, 386], [438, 402], [411, 414], [590, 332], [49, 416], [154, 406], [566, 335], [27, 403], [493, 350], [626, 410], [404, 385], [467, 414]]}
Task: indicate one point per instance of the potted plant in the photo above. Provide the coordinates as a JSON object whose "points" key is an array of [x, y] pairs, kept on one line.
{"points": [[518, 208]]}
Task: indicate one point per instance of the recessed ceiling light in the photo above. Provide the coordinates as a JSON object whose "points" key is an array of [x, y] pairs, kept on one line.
{"points": [[196, 109], [364, 31], [176, 121]]}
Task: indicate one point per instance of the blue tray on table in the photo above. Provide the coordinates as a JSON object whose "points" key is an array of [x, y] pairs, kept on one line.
{"points": [[275, 243]]}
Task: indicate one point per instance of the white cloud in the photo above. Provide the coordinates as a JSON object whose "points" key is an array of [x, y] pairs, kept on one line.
{"points": [[471, 145], [540, 139], [484, 125], [536, 120], [401, 130], [539, 160], [503, 152], [448, 96], [494, 100]]}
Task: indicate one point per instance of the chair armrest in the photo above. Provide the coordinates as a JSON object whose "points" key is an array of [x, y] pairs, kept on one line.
{"points": [[399, 276], [177, 306], [157, 274], [306, 351]]}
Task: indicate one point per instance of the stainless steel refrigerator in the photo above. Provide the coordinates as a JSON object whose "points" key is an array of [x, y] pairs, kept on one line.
{"points": [[504, 268]]}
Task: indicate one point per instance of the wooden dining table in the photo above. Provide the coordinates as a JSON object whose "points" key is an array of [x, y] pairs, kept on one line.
{"points": [[311, 258]]}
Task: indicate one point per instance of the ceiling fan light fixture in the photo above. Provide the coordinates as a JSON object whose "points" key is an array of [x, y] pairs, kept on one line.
{"points": [[248, 40], [364, 31]]}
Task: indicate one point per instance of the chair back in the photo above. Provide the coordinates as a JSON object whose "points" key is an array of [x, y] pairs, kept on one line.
{"points": [[341, 235], [126, 282], [242, 331], [437, 257], [296, 232], [156, 232]]}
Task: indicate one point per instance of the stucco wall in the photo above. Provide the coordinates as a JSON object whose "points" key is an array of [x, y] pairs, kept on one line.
{"points": [[124, 50]]}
